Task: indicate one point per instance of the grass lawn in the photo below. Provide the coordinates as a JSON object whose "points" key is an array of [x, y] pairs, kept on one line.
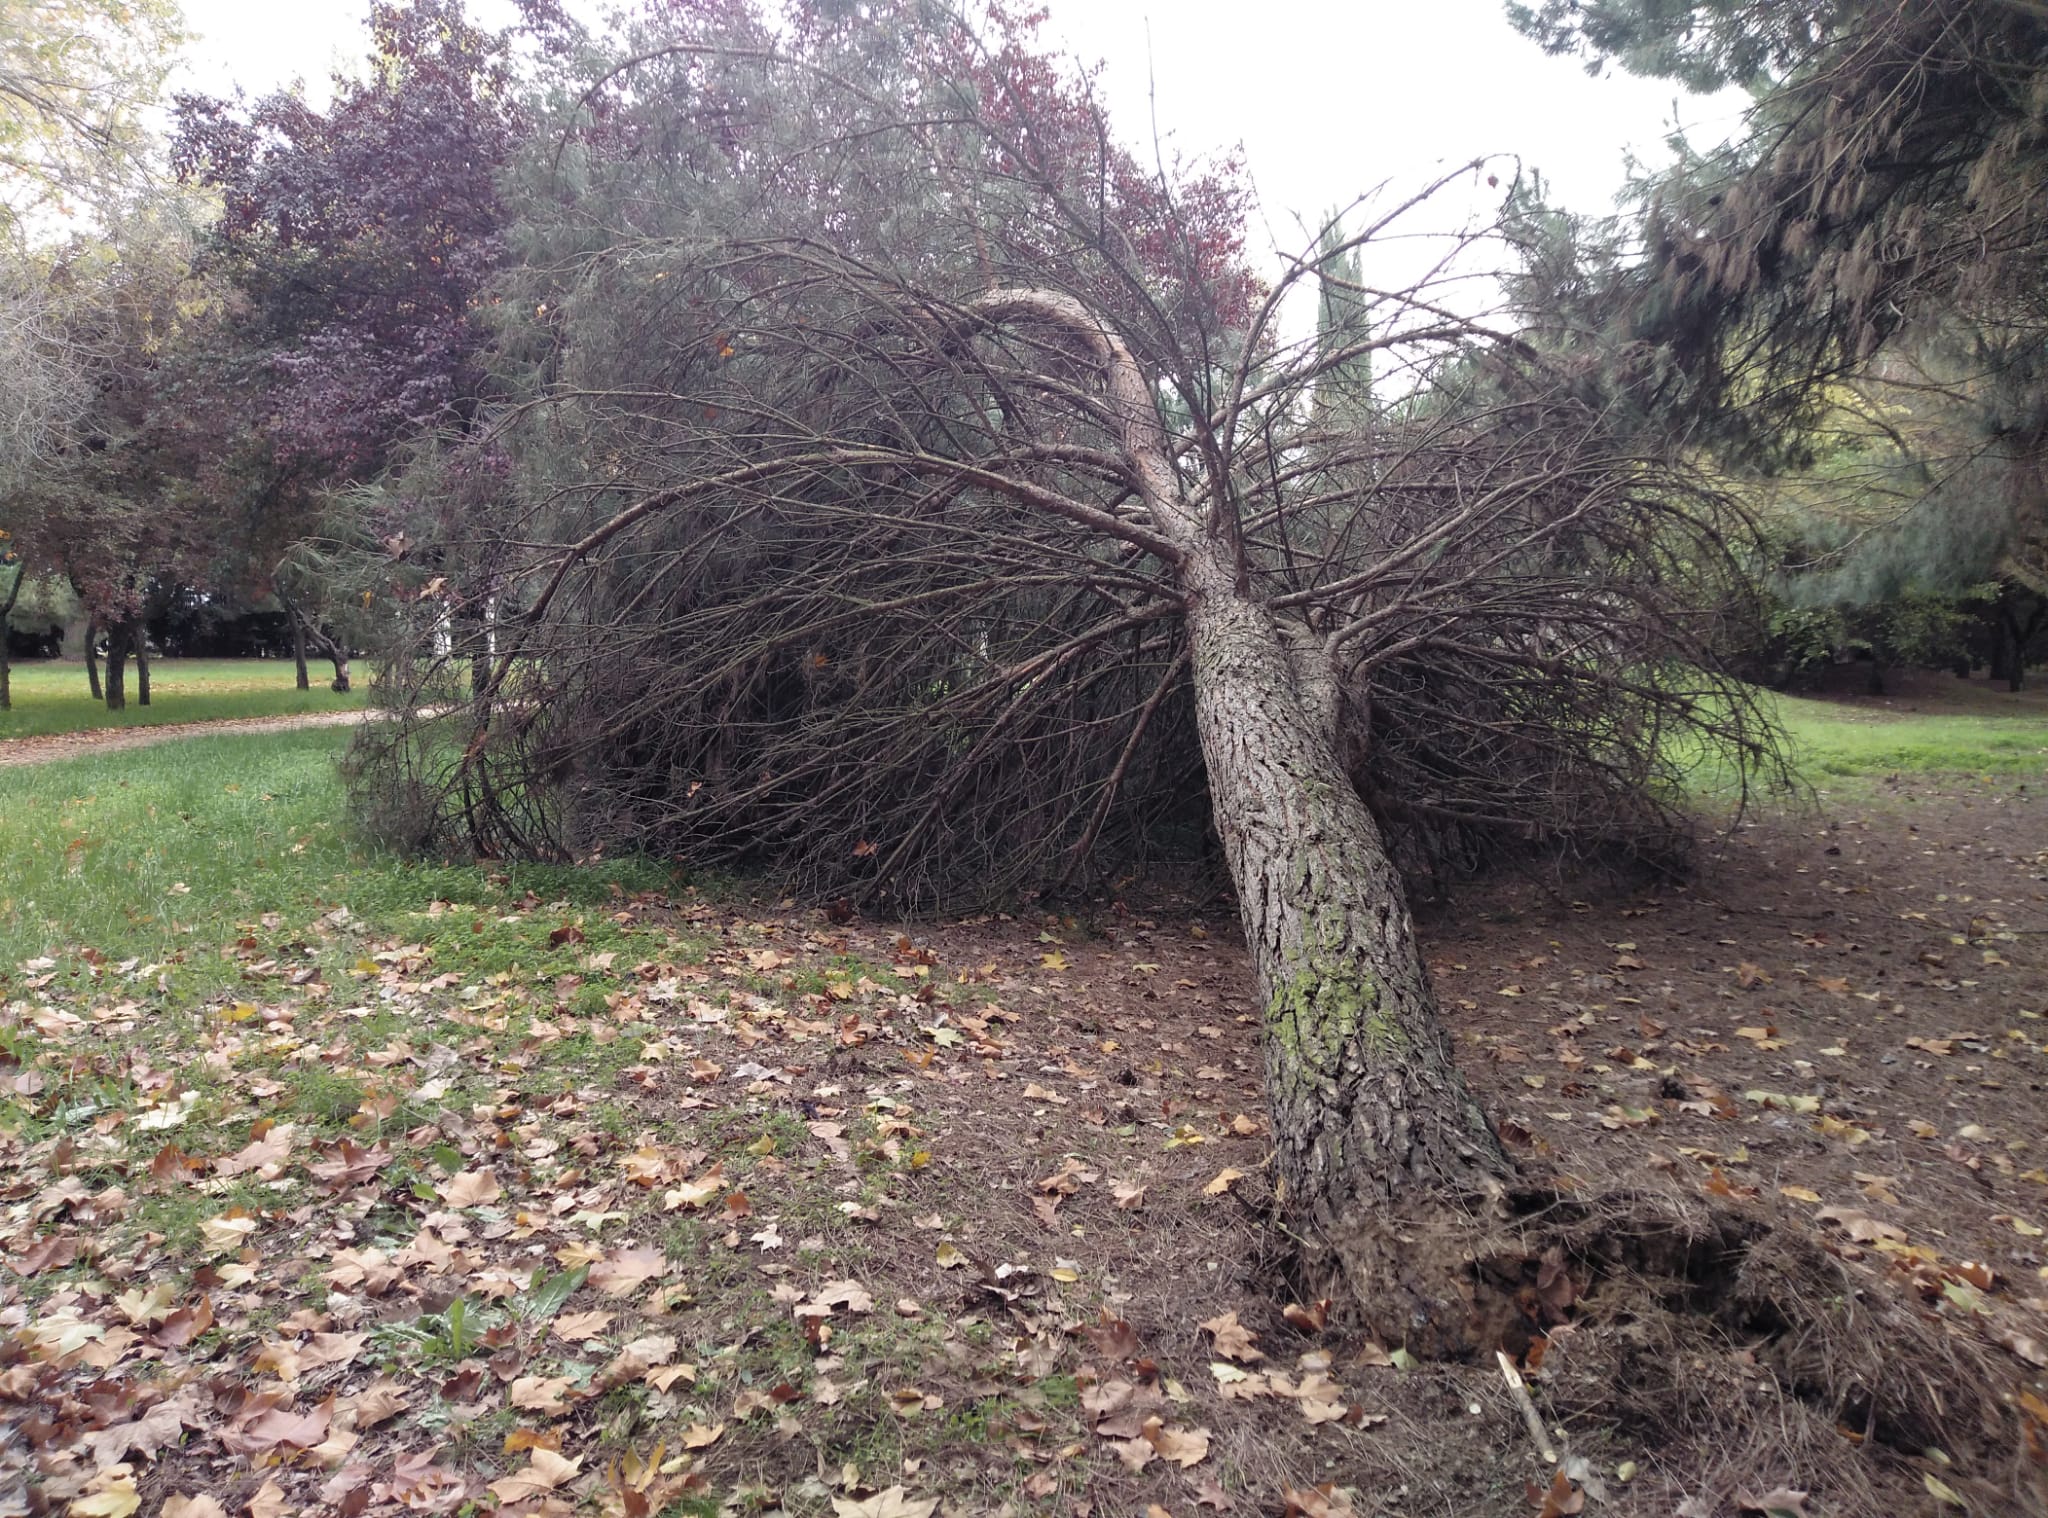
{"points": [[164, 853], [1831, 740], [51, 696]]}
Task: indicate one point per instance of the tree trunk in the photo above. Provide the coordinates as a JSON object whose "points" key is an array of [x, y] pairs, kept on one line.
{"points": [[1386, 1164], [117, 667], [6, 611], [299, 648], [92, 663], [1383, 1154], [142, 665]]}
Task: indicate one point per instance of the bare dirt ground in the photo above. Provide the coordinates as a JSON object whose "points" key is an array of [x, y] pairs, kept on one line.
{"points": [[52, 746]]}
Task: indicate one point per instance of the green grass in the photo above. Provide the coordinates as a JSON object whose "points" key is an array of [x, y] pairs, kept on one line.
{"points": [[1833, 741], [164, 854], [51, 697]]}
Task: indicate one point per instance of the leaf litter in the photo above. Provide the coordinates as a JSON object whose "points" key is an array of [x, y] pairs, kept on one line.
{"points": [[382, 1236]]}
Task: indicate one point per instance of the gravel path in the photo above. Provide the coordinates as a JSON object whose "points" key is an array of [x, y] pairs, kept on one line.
{"points": [[54, 746]]}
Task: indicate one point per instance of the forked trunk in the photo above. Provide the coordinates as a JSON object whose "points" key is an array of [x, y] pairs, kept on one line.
{"points": [[1383, 1154]]}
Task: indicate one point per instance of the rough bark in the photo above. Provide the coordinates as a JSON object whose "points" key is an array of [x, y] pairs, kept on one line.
{"points": [[92, 665], [303, 680], [1387, 1166], [1377, 1137]]}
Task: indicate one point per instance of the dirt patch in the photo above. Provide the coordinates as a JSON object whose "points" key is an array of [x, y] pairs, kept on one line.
{"points": [[50, 747]]}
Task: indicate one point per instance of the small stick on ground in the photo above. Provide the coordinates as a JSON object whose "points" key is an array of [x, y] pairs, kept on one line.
{"points": [[1520, 1392]]}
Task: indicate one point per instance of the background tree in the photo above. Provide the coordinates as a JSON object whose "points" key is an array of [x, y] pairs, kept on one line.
{"points": [[1881, 220], [357, 239], [906, 492], [77, 78]]}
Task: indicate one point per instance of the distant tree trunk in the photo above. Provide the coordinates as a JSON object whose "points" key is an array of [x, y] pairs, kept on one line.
{"points": [[92, 663], [2014, 638], [117, 667], [6, 610], [305, 632]]}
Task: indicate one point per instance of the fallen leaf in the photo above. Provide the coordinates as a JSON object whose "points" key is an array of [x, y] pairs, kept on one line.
{"points": [[1233, 1340], [471, 1188], [891, 1502], [545, 1470]]}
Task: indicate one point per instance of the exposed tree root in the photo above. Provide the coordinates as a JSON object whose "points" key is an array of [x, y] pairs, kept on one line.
{"points": [[1660, 1320]]}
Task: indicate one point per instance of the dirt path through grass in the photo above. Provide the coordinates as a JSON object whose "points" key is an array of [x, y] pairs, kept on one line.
{"points": [[53, 746]]}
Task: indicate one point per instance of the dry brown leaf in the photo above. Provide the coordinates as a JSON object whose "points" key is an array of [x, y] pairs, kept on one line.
{"points": [[891, 1502], [625, 1271], [1185, 1447], [545, 1470], [198, 1505], [471, 1188], [540, 1394], [578, 1326], [1233, 1340]]}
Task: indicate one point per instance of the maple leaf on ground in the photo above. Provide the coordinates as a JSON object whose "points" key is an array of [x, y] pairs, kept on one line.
{"points": [[228, 1233], [198, 1505], [349, 1163], [275, 1426], [471, 1188], [540, 1394], [51, 1253], [1328, 1501], [1560, 1500], [1112, 1336], [545, 1470], [1185, 1447], [382, 1399], [578, 1326], [269, 1502], [1233, 1340], [892, 1502], [117, 1499], [184, 1325], [146, 1434], [851, 1295], [325, 1349], [266, 1155]]}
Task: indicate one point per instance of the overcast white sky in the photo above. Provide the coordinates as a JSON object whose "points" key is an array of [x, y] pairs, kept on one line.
{"points": [[1328, 97]]}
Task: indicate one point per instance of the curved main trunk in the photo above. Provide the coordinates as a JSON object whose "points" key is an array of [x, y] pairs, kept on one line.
{"points": [[1384, 1157]]}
